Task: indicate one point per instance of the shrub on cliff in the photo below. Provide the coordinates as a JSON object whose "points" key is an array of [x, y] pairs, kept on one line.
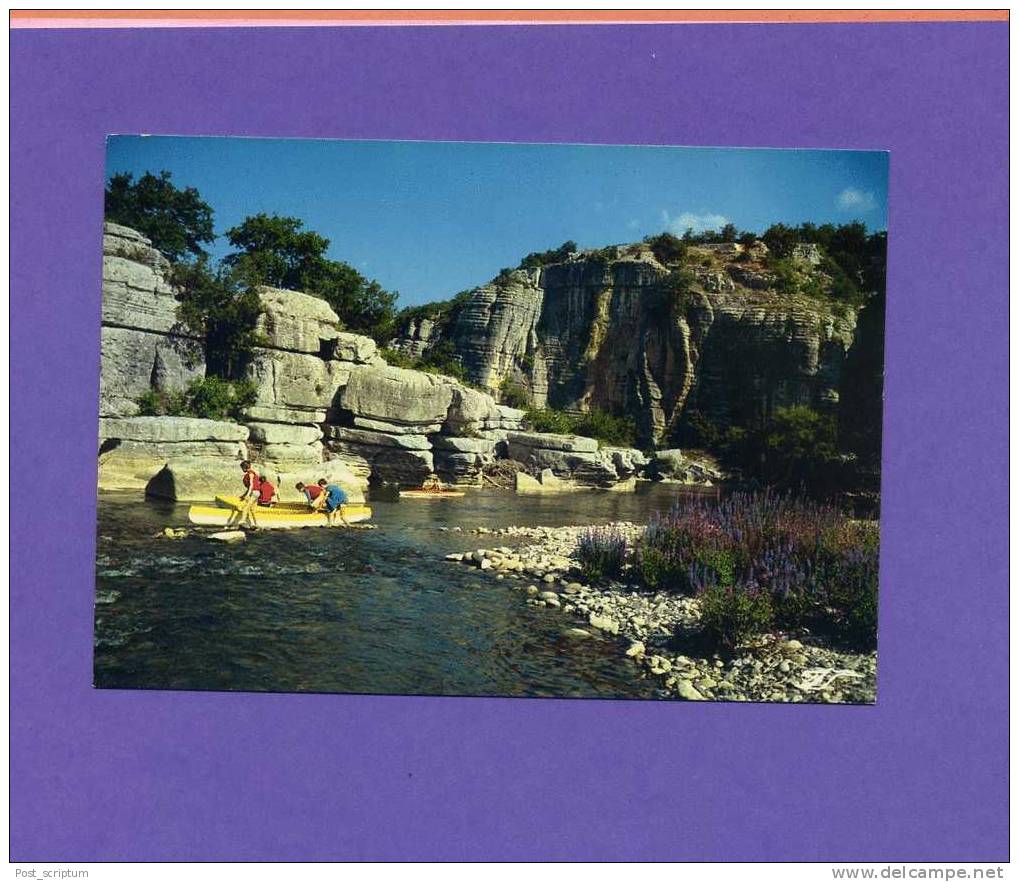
{"points": [[546, 419], [667, 248], [441, 312], [207, 397], [213, 398], [444, 359], [788, 279], [399, 359], [515, 395], [607, 428], [698, 431], [604, 255], [542, 258], [599, 424], [178, 221], [440, 359]]}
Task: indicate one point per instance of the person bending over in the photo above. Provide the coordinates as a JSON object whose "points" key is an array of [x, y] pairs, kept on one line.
{"points": [[336, 498], [313, 494]]}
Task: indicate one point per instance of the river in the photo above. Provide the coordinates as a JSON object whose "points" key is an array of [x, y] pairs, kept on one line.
{"points": [[362, 611]]}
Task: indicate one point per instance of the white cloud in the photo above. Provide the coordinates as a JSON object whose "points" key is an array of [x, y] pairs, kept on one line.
{"points": [[688, 220], [852, 199]]}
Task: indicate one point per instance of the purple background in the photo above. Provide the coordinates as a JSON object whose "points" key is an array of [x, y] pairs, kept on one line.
{"points": [[108, 775]]}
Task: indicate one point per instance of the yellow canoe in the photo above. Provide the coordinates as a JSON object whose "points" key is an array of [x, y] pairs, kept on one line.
{"points": [[430, 494], [284, 515]]}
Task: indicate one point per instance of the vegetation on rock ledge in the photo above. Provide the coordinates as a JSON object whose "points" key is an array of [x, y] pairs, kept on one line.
{"points": [[207, 397], [440, 359], [612, 430]]}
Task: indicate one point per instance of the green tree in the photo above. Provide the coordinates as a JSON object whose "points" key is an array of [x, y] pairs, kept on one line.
{"points": [[278, 251], [215, 306], [796, 448], [177, 221], [780, 240], [363, 305]]}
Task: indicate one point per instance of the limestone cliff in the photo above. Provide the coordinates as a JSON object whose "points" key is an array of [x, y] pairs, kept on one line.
{"points": [[143, 344], [326, 405], [580, 334], [632, 336]]}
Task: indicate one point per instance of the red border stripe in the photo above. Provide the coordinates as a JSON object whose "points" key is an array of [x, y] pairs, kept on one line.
{"points": [[106, 18]]}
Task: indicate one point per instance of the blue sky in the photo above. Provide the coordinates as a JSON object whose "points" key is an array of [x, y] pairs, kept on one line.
{"points": [[429, 219]]}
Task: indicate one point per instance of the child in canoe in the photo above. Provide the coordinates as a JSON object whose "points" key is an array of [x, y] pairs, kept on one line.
{"points": [[267, 496]]}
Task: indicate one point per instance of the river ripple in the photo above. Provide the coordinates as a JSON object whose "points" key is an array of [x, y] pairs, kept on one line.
{"points": [[348, 610]]}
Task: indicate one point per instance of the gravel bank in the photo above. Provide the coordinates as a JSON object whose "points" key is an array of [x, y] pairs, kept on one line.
{"points": [[660, 632]]}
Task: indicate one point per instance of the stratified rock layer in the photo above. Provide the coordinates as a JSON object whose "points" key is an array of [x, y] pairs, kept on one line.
{"points": [[634, 337], [143, 345], [133, 449]]}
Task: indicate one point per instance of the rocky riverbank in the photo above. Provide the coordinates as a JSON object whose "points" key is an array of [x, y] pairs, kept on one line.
{"points": [[660, 632]]}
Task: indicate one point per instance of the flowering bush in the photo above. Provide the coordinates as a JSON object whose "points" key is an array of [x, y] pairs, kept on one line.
{"points": [[733, 615], [602, 553], [760, 560]]}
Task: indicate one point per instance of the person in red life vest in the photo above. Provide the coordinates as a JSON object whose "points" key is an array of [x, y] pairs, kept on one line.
{"points": [[266, 492], [313, 495], [251, 480], [252, 485]]}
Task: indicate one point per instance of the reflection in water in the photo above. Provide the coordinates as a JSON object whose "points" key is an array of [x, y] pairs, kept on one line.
{"points": [[347, 610]]}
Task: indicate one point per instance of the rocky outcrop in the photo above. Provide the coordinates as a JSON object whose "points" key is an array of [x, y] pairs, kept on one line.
{"points": [[305, 358], [573, 458], [462, 460], [674, 465], [280, 443], [143, 344], [133, 449], [398, 397], [634, 337], [392, 458], [325, 400], [401, 425], [295, 321]]}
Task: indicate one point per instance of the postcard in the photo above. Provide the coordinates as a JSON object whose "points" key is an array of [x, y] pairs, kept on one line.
{"points": [[490, 419]]}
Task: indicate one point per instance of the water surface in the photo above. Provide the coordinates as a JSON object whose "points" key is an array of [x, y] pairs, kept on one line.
{"points": [[363, 611]]}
